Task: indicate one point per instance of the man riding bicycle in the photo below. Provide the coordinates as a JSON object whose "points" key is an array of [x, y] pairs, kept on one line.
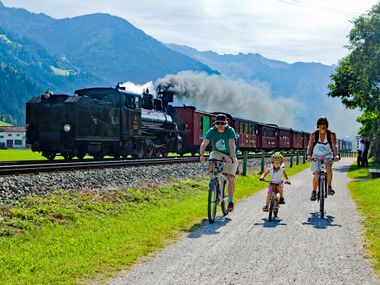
{"points": [[223, 139], [322, 145]]}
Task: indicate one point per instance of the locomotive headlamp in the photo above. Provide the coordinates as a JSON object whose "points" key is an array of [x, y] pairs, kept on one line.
{"points": [[48, 94], [67, 128]]}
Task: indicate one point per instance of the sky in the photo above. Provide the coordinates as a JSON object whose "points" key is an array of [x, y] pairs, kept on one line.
{"points": [[287, 30]]}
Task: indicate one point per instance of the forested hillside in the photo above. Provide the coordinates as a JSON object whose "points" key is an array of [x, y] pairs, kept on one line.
{"points": [[67, 54]]}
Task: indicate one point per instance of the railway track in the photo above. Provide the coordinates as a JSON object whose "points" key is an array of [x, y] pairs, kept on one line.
{"points": [[36, 166], [33, 167]]}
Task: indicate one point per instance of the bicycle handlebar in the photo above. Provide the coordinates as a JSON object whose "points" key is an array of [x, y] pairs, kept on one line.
{"points": [[270, 182]]}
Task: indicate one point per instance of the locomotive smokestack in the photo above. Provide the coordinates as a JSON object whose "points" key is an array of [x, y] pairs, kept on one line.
{"points": [[165, 92]]}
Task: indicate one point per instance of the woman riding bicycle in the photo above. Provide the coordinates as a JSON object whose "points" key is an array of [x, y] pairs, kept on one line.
{"points": [[322, 145], [277, 170]]}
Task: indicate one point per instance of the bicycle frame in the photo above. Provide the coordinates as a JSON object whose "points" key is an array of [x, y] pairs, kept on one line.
{"points": [[274, 204], [322, 185], [217, 188]]}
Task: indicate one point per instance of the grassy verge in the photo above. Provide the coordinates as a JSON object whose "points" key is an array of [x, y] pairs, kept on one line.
{"points": [[19, 154], [72, 237], [366, 194]]}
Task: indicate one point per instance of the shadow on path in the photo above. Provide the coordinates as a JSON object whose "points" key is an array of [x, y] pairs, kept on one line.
{"points": [[270, 224], [318, 223], [205, 228]]}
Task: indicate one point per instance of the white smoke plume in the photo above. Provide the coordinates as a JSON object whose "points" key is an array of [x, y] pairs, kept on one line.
{"points": [[215, 93], [136, 88]]}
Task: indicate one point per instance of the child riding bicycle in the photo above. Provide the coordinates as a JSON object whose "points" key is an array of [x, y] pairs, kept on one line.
{"points": [[276, 171]]}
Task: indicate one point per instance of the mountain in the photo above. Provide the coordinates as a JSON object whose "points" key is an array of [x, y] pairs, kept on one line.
{"points": [[285, 79], [105, 45], [72, 53]]}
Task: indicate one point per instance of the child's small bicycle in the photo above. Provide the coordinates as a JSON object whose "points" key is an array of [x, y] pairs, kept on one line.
{"points": [[274, 203], [218, 189]]}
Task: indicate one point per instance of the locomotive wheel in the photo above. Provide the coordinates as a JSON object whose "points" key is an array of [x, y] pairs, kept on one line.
{"points": [[140, 152], [149, 152], [68, 156], [164, 153], [80, 155], [98, 156], [50, 155]]}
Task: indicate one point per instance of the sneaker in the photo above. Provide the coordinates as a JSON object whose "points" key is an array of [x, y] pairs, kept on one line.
{"points": [[265, 209], [282, 200], [313, 196], [330, 191], [230, 207]]}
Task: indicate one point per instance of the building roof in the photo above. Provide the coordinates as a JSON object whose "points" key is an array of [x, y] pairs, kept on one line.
{"points": [[12, 129]]}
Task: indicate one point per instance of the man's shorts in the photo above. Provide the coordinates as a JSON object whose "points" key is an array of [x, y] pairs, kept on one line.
{"points": [[229, 168], [316, 165]]}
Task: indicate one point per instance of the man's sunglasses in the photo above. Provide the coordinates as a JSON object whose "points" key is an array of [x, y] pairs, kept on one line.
{"points": [[220, 123]]}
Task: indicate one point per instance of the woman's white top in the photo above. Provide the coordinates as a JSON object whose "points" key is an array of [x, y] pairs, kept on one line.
{"points": [[322, 149]]}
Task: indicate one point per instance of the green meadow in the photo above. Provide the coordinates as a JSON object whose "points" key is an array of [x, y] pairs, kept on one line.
{"points": [[366, 193]]}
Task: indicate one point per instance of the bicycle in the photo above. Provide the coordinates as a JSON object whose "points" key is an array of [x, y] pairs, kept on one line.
{"points": [[322, 185], [218, 189], [274, 203]]}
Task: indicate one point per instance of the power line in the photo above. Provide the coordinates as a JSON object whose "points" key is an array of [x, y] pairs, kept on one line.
{"points": [[320, 7]]}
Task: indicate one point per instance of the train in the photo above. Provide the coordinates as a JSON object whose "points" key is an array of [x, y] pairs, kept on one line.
{"points": [[116, 122]]}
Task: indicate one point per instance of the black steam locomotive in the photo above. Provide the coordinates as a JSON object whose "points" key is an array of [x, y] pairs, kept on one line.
{"points": [[102, 122]]}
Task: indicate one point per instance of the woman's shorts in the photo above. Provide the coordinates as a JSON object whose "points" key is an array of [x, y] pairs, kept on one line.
{"points": [[229, 168], [316, 165]]}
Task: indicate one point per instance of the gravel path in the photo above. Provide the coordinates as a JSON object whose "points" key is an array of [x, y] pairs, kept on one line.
{"points": [[244, 248]]}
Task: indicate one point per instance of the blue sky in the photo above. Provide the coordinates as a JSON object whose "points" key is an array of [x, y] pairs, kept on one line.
{"points": [[288, 30]]}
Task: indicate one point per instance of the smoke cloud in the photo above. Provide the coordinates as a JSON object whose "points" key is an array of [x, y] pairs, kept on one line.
{"points": [[136, 88], [215, 93]]}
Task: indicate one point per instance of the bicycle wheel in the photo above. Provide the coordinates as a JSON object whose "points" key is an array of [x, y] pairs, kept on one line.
{"points": [[322, 191], [212, 201], [276, 207], [224, 202], [271, 207]]}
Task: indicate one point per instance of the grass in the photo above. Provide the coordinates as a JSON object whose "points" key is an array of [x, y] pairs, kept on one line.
{"points": [[19, 154], [366, 194], [75, 237], [2, 123]]}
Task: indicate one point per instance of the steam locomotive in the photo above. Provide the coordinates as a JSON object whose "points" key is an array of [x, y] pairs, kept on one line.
{"points": [[102, 122], [115, 122]]}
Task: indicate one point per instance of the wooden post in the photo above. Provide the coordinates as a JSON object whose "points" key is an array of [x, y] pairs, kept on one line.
{"points": [[262, 161], [291, 158], [245, 160], [304, 156]]}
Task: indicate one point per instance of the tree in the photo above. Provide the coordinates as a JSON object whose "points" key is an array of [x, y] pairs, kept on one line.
{"points": [[357, 78]]}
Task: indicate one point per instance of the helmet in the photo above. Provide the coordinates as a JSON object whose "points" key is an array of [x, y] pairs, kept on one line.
{"points": [[277, 156], [323, 121]]}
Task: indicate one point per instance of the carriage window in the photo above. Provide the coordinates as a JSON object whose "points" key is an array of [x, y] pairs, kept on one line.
{"points": [[241, 128], [269, 133]]}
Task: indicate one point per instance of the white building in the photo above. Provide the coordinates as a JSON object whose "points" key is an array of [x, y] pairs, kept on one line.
{"points": [[12, 137]]}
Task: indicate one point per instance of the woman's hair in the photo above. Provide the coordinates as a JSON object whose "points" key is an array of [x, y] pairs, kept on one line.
{"points": [[277, 156], [323, 121]]}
